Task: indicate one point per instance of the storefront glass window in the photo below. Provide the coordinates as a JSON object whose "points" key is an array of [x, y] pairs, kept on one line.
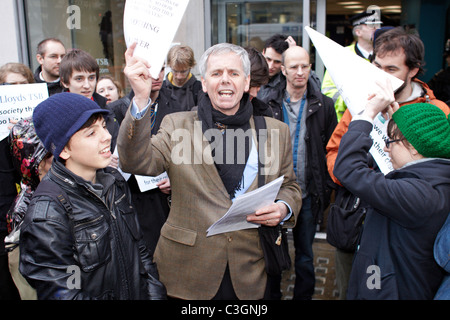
{"points": [[252, 22], [93, 26]]}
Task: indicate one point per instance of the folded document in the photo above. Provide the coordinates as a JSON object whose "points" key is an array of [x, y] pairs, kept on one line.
{"points": [[243, 205]]}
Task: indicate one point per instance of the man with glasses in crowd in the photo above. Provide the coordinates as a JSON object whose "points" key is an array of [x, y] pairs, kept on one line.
{"points": [[49, 55], [311, 119], [183, 84]]}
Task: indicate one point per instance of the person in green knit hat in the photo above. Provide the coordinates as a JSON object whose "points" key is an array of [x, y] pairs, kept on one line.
{"points": [[407, 207]]}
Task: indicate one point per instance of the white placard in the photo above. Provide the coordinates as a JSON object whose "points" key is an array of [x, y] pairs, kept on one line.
{"points": [[152, 24], [18, 102], [355, 78], [378, 134]]}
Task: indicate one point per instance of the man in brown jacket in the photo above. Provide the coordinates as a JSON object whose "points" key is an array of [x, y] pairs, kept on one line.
{"points": [[206, 175]]}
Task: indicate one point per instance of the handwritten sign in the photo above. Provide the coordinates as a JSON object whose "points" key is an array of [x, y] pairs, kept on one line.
{"points": [[18, 102], [152, 24]]}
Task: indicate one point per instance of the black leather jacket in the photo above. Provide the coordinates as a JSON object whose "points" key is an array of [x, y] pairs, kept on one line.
{"points": [[93, 249]]}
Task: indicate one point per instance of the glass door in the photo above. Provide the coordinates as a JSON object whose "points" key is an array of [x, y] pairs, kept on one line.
{"points": [[252, 22]]}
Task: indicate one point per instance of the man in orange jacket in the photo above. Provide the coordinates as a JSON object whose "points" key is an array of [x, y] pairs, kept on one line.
{"points": [[402, 55]]}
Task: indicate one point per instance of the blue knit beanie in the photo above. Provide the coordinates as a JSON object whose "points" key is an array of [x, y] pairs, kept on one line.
{"points": [[59, 117]]}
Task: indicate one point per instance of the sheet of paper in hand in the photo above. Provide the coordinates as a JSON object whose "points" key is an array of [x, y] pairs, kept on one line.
{"points": [[236, 216], [152, 24]]}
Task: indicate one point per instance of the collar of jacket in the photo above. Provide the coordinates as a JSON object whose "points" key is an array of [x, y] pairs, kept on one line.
{"points": [[37, 78], [67, 179], [313, 99], [278, 80]]}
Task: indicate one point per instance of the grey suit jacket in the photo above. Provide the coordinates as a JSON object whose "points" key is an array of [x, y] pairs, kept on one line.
{"points": [[191, 265]]}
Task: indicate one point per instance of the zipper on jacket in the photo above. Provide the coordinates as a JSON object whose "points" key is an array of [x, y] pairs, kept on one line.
{"points": [[66, 180], [89, 222], [120, 199]]}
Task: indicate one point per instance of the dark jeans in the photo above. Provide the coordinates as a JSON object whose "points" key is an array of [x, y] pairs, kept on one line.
{"points": [[303, 234]]}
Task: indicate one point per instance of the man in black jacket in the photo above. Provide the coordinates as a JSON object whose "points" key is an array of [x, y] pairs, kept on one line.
{"points": [[272, 92], [273, 50], [49, 55], [311, 119], [183, 85]]}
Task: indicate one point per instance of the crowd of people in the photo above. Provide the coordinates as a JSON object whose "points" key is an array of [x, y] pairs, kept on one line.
{"points": [[78, 223]]}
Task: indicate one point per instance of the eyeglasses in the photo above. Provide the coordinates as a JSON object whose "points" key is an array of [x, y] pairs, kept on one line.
{"points": [[388, 142], [304, 67]]}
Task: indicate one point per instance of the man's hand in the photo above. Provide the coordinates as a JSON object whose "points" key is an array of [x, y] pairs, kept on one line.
{"points": [[137, 71], [270, 215]]}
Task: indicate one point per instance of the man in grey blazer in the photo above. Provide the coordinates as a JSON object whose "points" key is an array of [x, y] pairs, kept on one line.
{"points": [[207, 170]]}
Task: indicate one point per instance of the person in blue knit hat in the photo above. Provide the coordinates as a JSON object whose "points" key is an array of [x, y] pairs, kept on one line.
{"points": [[80, 238]]}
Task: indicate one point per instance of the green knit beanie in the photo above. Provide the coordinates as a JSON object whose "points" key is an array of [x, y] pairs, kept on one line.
{"points": [[426, 127]]}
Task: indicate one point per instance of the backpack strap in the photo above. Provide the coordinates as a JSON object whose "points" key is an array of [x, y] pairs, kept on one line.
{"points": [[261, 135]]}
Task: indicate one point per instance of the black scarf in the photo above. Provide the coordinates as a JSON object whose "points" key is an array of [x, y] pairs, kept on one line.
{"points": [[230, 173]]}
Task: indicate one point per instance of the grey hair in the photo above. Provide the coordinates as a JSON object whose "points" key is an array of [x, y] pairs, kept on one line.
{"points": [[223, 48]]}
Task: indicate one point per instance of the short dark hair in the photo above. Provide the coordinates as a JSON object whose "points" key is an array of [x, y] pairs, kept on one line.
{"points": [[77, 60], [397, 38], [41, 47], [259, 71], [278, 43]]}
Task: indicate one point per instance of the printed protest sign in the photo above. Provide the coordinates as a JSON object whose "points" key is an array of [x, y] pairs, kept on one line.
{"points": [[18, 102], [355, 78], [152, 24], [378, 135]]}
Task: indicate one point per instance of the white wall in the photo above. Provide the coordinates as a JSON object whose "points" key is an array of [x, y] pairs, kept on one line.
{"points": [[9, 34], [192, 30]]}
